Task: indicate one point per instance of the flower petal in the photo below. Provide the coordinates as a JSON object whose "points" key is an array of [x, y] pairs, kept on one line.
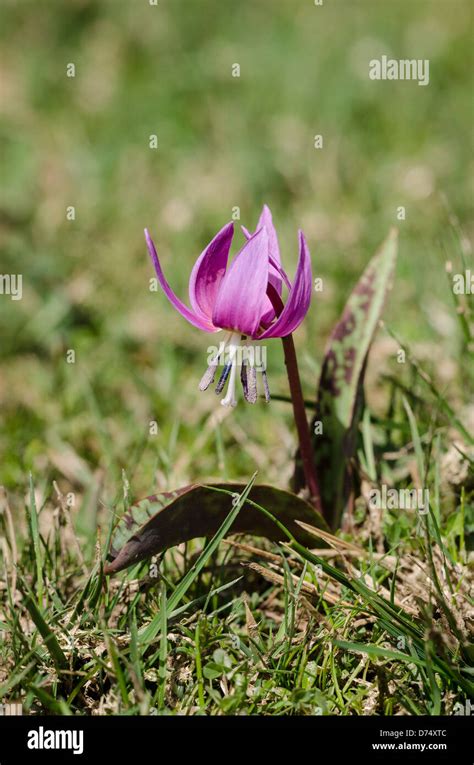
{"points": [[266, 221], [299, 298], [189, 315], [242, 292], [275, 272], [208, 272]]}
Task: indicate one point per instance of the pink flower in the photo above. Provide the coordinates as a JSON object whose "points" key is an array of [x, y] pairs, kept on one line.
{"points": [[244, 299]]}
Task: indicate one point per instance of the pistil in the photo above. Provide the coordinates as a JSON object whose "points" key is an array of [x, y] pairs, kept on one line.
{"points": [[233, 347]]}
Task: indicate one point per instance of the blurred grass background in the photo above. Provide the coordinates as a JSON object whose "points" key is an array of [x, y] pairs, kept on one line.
{"points": [[222, 142]]}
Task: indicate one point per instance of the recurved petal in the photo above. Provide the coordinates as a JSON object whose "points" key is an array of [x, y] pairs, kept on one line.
{"points": [[266, 221], [189, 315], [242, 293], [208, 272], [299, 297], [275, 272]]}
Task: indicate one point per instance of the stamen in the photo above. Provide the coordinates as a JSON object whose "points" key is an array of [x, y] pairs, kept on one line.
{"points": [[251, 385], [209, 374], [243, 378], [223, 377], [265, 385], [232, 344]]}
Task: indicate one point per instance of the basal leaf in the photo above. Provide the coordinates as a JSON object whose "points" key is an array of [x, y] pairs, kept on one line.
{"points": [[340, 393], [164, 520]]}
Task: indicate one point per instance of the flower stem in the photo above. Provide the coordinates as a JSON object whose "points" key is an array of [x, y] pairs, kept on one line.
{"points": [[299, 413], [304, 438]]}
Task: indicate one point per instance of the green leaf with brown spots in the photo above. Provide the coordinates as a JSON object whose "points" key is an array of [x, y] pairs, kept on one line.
{"points": [[340, 394], [164, 520]]}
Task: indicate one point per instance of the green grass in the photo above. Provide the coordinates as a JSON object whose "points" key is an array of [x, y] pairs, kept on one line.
{"points": [[375, 627], [235, 630]]}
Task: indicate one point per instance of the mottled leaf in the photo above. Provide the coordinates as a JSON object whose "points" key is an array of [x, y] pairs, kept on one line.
{"points": [[164, 520], [340, 393]]}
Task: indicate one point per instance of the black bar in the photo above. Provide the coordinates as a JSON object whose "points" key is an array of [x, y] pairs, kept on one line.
{"points": [[121, 738]]}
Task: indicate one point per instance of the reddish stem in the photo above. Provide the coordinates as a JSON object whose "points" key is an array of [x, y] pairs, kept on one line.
{"points": [[299, 411]]}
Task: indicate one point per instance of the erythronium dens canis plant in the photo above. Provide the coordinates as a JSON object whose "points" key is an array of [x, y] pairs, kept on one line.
{"points": [[244, 300]]}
